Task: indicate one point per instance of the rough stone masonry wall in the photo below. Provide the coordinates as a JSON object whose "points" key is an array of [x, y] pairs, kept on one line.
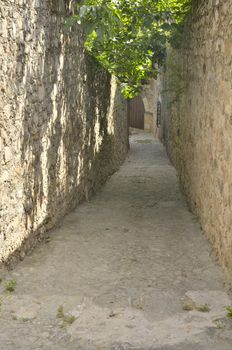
{"points": [[63, 127], [198, 119], [151, 95]]}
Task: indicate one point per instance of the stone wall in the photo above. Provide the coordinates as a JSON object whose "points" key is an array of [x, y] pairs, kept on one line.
{"points": [[63, 122], [198, 119], [151, 94]]}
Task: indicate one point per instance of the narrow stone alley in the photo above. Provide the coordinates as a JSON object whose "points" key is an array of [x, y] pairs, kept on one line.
{"points": [[130, 269]]}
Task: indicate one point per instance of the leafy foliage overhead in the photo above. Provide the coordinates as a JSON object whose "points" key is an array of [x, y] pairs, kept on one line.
{"points": [[129, 37]]}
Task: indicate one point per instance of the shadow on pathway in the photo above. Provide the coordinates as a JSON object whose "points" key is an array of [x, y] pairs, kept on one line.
{"points": [[128, 270]]}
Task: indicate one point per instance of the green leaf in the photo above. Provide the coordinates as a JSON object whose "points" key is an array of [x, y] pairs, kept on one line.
{"points": [[129, 37]]}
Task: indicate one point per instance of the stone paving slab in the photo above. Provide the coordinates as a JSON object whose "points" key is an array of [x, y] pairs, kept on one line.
{"points": [[129, 270]]}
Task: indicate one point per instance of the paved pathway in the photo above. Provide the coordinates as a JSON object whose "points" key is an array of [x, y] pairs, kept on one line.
{"points": [[128, 270]]}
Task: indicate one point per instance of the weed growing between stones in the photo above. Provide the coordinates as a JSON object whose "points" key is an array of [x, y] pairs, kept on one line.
{"points": [[60, 312], [229, 311], [10, 286], [191, 307], [188, 307], [203, 308], [67, 319], [144, 141]]}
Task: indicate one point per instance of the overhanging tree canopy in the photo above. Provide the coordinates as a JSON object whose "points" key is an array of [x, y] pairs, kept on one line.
{"points": [[128, 37]]}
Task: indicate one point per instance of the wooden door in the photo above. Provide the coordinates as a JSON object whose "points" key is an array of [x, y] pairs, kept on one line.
{"points": [[136, 113]]}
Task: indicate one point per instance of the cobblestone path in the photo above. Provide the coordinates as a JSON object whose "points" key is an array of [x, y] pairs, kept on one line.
{"points": [[129, 270]]}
